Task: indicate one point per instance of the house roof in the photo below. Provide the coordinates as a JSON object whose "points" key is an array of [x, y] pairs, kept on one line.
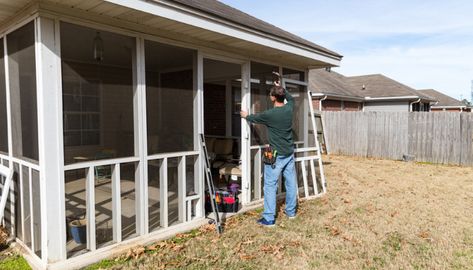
{"points": [[228, 13], [380, 86], [206, 23], [443, 100], [331, 83]]}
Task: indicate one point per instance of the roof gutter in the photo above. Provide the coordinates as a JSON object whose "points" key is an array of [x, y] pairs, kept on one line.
{"points": [[449, 107], [392, 98], [341, 97], [412, 103], [320, 102]]}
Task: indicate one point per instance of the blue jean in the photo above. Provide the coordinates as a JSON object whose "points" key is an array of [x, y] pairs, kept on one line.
{"points": [[271, 175]]}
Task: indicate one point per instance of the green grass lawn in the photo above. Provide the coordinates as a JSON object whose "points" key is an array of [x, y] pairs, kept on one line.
{"points": [[14, 262], [377, 214]]}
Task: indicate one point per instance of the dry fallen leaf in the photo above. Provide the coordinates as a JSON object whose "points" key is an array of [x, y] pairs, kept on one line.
{"points": [[247, 257], [425, 235], [334, 231]]}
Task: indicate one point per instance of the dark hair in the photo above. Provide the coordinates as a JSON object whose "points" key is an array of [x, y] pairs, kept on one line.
{"points": [[278, 92]]}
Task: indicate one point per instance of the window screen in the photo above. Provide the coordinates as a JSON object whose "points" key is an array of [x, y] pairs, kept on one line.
{"points": [[22, 75], [169, 98], [261, 83], [3, 103], [97, 76]]}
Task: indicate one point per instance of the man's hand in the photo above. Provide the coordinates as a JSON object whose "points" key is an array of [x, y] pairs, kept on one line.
{"points": [[243, 114], [276, 78]]}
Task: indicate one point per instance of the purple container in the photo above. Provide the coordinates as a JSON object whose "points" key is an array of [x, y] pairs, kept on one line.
{"points": [[233, 188]]}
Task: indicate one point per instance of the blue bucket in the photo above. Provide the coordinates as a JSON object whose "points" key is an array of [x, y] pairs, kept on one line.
{"points": [[79, 231]]}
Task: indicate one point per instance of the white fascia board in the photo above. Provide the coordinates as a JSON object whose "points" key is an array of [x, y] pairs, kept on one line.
{"points": [[391, 98], [161, 10], [338, 97], [448, 107]]}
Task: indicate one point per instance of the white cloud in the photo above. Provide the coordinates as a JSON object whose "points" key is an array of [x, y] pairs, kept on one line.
{"points": [[424, 44], [445, 68]]}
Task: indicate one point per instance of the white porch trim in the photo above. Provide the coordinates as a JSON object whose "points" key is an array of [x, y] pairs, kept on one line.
{"points": [[227, 29]]}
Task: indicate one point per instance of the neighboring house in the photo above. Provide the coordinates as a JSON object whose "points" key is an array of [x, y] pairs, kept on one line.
{"points": [[101, 107], [445, 102], [331, 91], [385, 94]]}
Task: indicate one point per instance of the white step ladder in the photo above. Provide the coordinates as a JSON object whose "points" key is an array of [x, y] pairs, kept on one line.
{"points": [[307, 155], [7, 173], [311, 155], [317, 146]]}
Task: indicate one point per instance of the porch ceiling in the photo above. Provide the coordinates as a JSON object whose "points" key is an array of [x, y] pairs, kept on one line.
{"points": [[145, 21], [9, 8]]}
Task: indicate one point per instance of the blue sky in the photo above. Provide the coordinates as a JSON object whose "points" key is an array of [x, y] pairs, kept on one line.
{"points": [[423, 44]]}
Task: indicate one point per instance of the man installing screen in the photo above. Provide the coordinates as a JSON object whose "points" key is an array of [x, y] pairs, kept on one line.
{"points": [[278, 120]]}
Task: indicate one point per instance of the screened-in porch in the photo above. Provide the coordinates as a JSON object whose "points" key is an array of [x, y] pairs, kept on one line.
{"points": [[100, 121]]}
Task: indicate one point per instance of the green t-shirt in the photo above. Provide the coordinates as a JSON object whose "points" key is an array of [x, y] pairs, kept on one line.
{"points": [[279, 123]]}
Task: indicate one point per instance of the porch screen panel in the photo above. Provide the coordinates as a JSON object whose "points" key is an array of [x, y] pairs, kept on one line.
{"points": [[3, 103], [103, 206], [173, 189], [27, 217], [18, 200], [299, 95], [97, 75], [36, 211], [22, 78], [154, 197], [293, 74], [261, 77], [76, 223], [128, 199], [169, 98]]}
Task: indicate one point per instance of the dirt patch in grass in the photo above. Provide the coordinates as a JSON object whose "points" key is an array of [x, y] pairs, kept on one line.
{"points": [[3, 239], [10, 259], [377, 214]]}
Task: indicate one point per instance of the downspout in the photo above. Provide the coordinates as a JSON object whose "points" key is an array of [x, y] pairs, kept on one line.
{"points": [[410, 105], [436, 102], [320, 102]]}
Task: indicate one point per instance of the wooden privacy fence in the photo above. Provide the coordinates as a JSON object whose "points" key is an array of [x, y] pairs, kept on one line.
{"points": [[437, 137]]}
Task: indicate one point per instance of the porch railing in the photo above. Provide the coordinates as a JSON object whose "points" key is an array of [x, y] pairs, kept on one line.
{"points": [[305, 164], [189, 205], [26, 179]]}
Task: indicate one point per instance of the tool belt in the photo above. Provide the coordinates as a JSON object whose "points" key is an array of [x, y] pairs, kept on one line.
{"points": [[269, 156]]}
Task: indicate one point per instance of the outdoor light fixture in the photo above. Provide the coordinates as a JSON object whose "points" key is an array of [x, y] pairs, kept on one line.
{"points": [[98, 48]]}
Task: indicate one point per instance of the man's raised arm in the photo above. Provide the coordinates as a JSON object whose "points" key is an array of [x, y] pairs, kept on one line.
{"points": [[289, 98]]}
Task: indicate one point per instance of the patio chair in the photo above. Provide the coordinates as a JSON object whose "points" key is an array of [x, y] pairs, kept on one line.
{"points": [[104, 172]]}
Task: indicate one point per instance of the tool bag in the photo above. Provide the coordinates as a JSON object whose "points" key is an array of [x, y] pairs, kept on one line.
{"points": [[269, 156]]}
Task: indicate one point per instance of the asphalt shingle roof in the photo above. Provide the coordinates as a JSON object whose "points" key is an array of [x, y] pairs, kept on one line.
{"points": [[331, 83], [443, 100], [378, 85], [228, 13]]}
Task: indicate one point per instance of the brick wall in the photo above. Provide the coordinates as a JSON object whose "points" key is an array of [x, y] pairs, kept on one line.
{"points": [[331, 105], [446, 110], [352, 106], [214, 109], [316, 103]]}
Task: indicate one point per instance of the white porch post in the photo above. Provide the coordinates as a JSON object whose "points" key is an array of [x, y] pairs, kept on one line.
{"points": [[50, 140], [245, 134], [10, 139], [198, 129], [141, 139]]}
